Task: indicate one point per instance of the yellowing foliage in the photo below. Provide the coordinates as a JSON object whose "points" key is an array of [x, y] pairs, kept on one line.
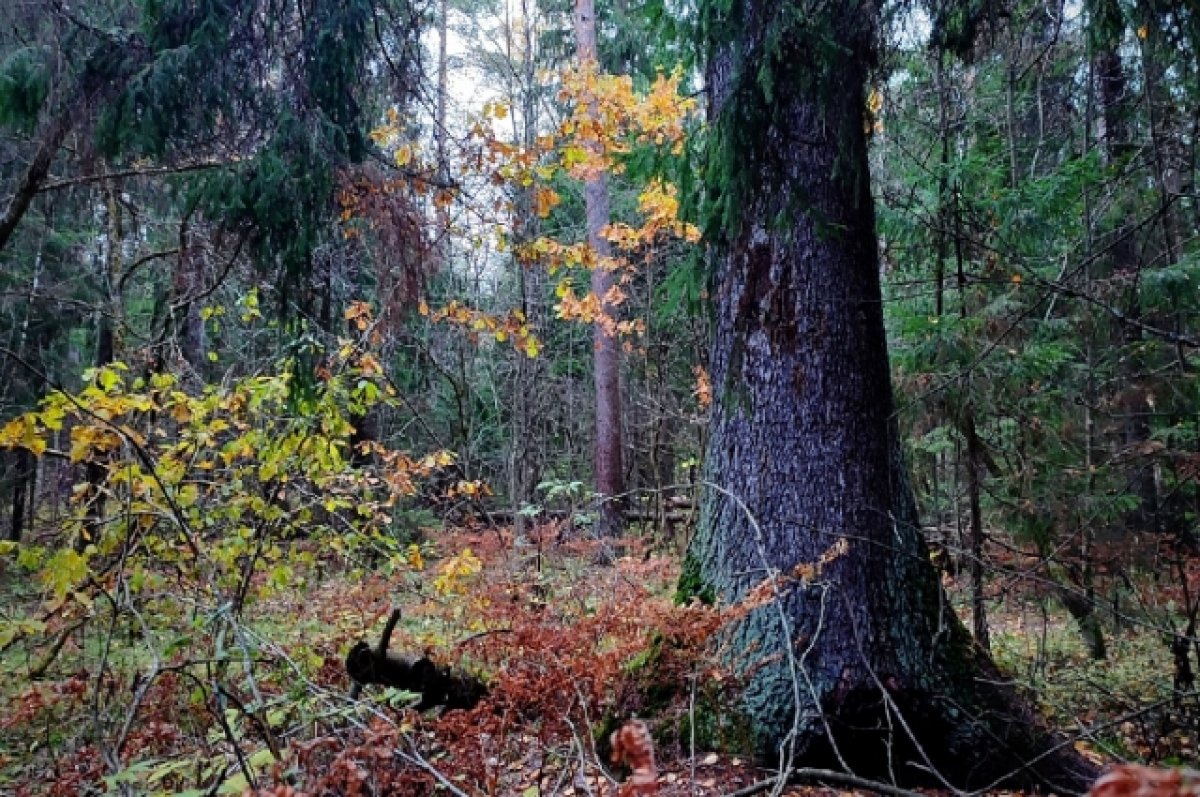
{"points": [[213, 483], [456, 571], [513, 327], [607, 120]]}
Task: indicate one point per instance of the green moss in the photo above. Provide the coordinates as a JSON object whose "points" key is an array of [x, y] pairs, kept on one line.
{"points": [[693, 585], [796, 51], [602, 732], [647, 658], [673, 714], [717, 727]]}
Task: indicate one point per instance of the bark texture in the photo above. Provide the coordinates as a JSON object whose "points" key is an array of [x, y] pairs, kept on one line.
{"points": [[610, 476], [858, 662]]}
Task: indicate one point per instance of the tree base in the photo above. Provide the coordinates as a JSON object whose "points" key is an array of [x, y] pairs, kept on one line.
{"points": [[978, 735]]}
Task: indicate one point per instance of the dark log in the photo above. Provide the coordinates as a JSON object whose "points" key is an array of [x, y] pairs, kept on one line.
{"points": [[437, 685]]}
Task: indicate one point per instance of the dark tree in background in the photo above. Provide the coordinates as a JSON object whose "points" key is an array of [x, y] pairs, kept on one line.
{"points": [[185, 153], [853, 656]]}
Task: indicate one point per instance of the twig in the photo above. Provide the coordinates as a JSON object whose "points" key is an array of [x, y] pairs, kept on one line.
{"points": [[38, 670], [821, 776], [481, 635], [68, 182], [583, 764]]}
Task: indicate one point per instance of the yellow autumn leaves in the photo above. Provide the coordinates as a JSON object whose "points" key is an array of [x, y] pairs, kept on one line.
{"points": [[514, 326], [609, 118], [606, 120], [198, 478]]}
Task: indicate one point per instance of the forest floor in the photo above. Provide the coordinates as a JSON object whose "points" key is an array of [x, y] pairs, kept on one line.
{"points": [[569, 649]]}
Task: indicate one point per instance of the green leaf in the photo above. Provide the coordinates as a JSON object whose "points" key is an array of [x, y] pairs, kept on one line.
{"points": [[64, 570]]}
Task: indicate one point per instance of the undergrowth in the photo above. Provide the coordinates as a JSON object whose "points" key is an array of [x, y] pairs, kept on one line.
{"points": [[569, 651], [566, 649]]}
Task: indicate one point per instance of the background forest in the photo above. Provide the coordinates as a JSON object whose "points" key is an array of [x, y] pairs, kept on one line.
{"points": [[315, 309]]}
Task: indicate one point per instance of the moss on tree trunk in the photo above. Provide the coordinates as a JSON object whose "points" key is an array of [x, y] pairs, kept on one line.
{"points": [[857, 661]]}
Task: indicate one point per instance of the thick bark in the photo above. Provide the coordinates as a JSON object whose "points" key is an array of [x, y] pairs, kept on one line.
{"points": [[610, 477], [857, 661]]}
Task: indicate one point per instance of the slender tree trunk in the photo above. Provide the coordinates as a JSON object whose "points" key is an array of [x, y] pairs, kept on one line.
{"points": [[1085, 605], [852, 655], [25, 467], [189, 326], [610, 476], [974, 477], [25, 464], [53, 135], [939, 277], [526, 458], [96, 472], [970, 432], [439, 127], [1124, 262]]}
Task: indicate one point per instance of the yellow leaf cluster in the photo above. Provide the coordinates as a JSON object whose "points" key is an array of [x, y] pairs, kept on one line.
{"points": [[359, 313], [609, 117], [88, 441], [23, 432], [659, 203], [572, 308], [512, 327], [456, 571], [196, 478], [606, 120], [546, 199], [413, 555], [469, 489]]}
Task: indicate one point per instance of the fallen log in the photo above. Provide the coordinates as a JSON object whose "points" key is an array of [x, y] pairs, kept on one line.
{"points": [[436, 684]]}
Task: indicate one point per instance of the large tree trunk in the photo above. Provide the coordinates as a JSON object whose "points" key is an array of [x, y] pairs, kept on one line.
{"points": [[857, 660], [610, 476]]}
